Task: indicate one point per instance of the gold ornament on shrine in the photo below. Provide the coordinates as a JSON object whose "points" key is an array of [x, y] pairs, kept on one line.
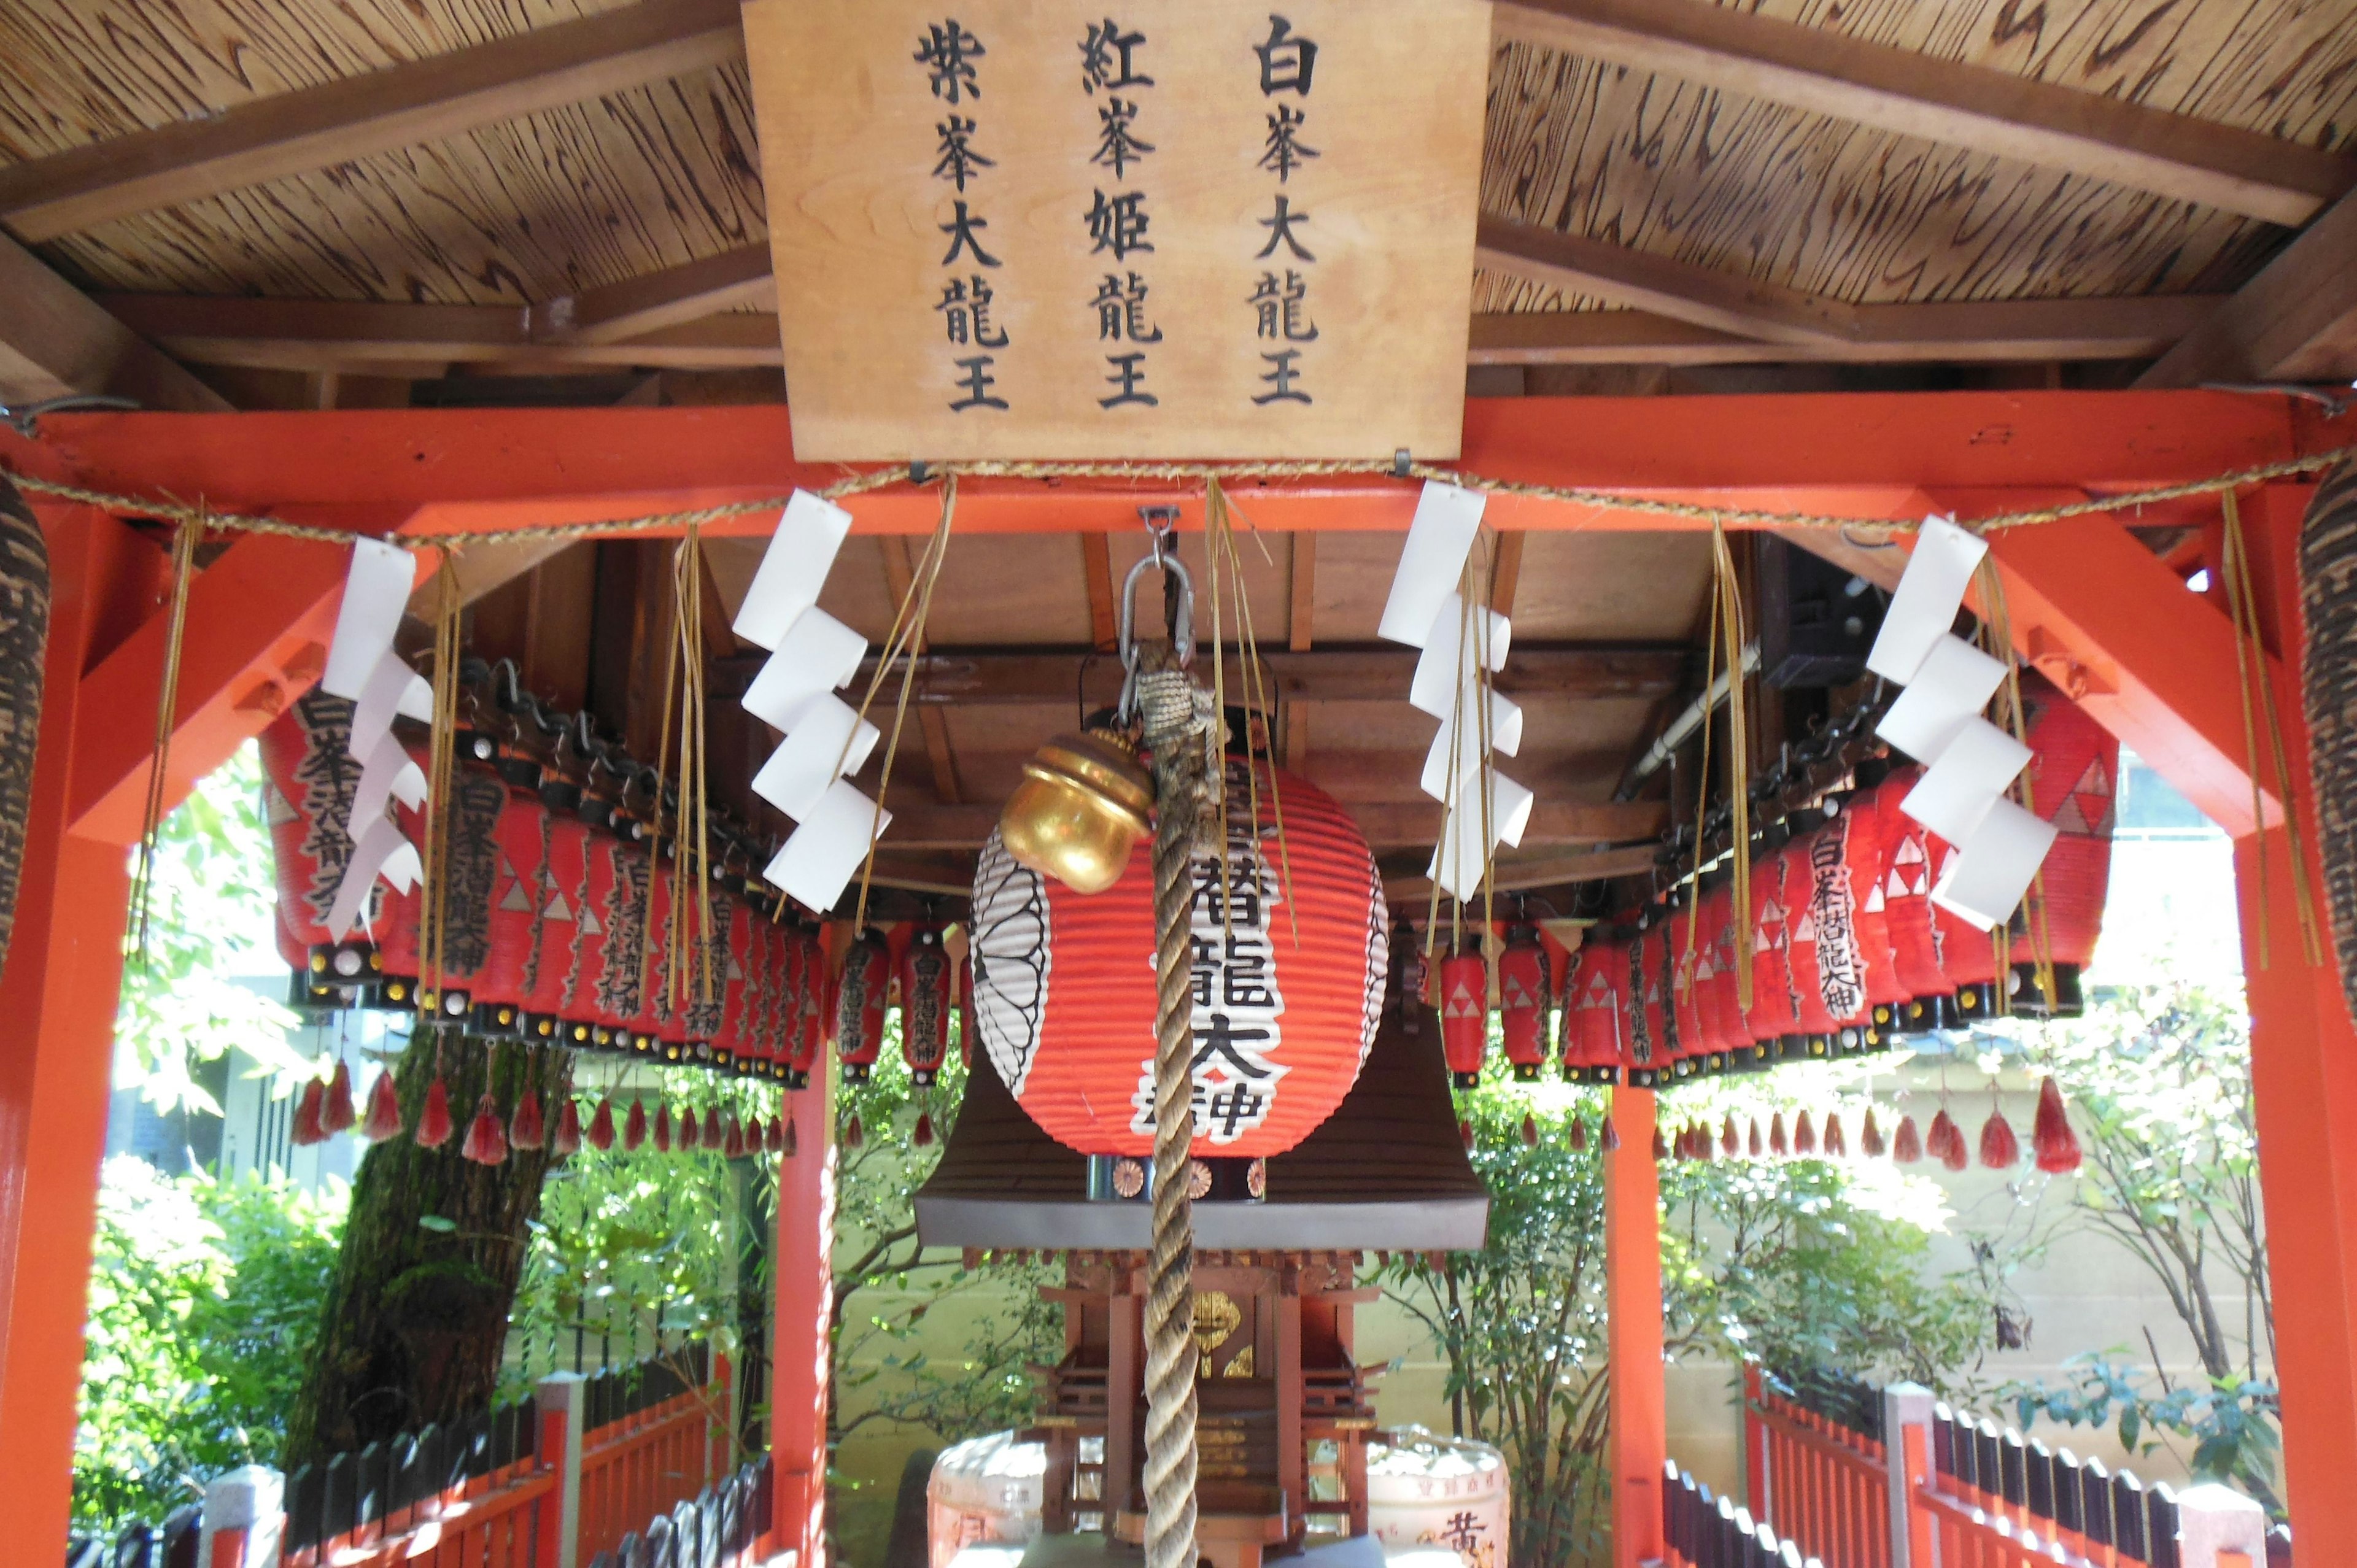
{"points": [[1079, 810]]}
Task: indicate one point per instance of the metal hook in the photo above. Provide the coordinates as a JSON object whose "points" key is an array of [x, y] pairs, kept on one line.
{"points": [[1162, 526]]}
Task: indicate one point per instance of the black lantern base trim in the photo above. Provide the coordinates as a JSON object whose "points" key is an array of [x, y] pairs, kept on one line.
{"points": [[2029, 1000]]}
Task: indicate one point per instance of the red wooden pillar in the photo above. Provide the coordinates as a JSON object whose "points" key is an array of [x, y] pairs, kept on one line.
{"points": [[801, 1345], [1632, 1263], [257, 624], [2304, 1081], [58, 996]]}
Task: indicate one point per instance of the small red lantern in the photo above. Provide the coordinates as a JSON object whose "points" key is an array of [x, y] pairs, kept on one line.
{"points": [[1596, 1003], [615, 898], [737, 983], [1683, 943], [1863, 854], [516, 925], [925, 971], [1653, 1017], [1523, 993], [1465, 1016], [1798, 879], [807, 1016], [1719, 930], [2073, 770], [1907, 870], [1838, 951], [859, 989], [308, 778], [552, 1001], [1292, 941], [1968, 951], [1774, 1012]]}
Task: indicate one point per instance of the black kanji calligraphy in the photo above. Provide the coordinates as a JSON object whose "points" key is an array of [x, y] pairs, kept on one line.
{"points": [[976, 383], [1235, 1107], [1231, 1047], [959, 161], [1282, 373], [960, 230], [1118, 224], [1118, 143], [1285, 150], [1280, 226], [1121, 310], [1108, 57], [948, 53], [1286, 60], [965, 313], [1283, 307], [1128, 371]]}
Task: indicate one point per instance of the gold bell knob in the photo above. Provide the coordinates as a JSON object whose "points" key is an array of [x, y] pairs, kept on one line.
{"points": [[1079, 810]]}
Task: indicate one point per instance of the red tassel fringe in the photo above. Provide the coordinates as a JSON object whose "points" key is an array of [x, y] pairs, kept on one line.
{"points": [[1869, 1141], [923, 1136], [1611, 1135], [385, 1110], [1578, 1138], [307, 1130], [1805, 1135], [1907, 1147], [2057, 1144], [663, 1129], [526, 1129], [567, 1140], [1776, 1144], [487, 1140], [601, 1125], [634, 1127], [434, 1124], [1836, 1145], [1999, 1147], [336, 1114]]}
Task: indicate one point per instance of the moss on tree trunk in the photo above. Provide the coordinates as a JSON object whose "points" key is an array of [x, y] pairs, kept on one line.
{"points": [[415, 1317]]}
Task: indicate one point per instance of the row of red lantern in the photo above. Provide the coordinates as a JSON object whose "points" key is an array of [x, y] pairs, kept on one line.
{"points": [[1848, 948], [558, 929]]}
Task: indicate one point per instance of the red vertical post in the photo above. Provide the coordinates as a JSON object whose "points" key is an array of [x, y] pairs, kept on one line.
{"points": [[2303, 1082], [58, 992], [1632, 1263], [802, 1340]]}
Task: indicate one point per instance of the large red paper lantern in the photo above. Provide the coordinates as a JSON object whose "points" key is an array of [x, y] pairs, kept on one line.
{"points": [[1289, 969], [1524, 990], [2073, 774]]}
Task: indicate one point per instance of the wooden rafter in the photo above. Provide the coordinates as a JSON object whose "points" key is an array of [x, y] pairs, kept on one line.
{"points": [[2296, 321], [54, 342], [332, 336], [422, 101], [1982, 331], [919, 825], [672, 297], [1820, 69], [966, 677], [1722, 301]]}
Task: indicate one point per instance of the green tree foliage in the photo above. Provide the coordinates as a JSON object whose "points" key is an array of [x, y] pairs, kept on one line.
{"points": [[204, 1302], [1805, 1264], [887, 1283], [211, 905], [2158, 1078]]}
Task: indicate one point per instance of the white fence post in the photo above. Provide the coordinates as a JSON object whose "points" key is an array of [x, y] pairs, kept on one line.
{"points": [[2219, 1528], [244, 1516], [1905, 1407], [558, 1399]]}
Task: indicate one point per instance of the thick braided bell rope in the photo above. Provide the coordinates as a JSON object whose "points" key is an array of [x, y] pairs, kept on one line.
{"points": [[1175, 721]]}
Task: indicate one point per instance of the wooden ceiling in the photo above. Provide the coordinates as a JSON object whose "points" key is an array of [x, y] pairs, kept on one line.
{"points": [[322, 203]]}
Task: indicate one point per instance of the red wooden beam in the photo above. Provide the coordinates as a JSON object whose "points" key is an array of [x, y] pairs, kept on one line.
{"points": [[801, 1345], [1860, 454], [256, 638]]}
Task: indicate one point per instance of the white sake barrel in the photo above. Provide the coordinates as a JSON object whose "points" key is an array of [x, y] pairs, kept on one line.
{"points": [[985, 1491], [1427, 1491]]}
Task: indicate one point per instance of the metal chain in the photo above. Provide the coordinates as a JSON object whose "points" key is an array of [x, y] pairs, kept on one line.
{"points": [[1176, 719]]}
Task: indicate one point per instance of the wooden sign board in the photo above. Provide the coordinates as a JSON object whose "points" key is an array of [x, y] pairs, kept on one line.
{"points": [[1107, 229]]}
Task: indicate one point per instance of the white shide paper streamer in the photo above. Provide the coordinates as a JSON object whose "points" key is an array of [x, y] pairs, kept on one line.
{"points": [[1440, 537], [793, 569], [822, 855]]}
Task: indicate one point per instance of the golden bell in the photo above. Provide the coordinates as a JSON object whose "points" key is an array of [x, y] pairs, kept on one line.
{"points": [[1078, 812]]}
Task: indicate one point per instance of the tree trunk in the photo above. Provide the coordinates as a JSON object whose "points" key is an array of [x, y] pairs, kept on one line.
{"points": [[416, 1314]]}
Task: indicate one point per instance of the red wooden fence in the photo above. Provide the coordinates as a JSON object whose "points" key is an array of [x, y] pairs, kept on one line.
{"points": [[1867, 1478], [648, 1464]]}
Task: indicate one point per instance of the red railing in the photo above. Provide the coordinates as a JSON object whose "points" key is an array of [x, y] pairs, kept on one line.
{"points": [[1859, 1476], [647, 1464], [495, 1520], [1830, 1482]]}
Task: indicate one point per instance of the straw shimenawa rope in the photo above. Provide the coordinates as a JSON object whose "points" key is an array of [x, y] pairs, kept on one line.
{"points": [[1176, 722], [1192, 474]]}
